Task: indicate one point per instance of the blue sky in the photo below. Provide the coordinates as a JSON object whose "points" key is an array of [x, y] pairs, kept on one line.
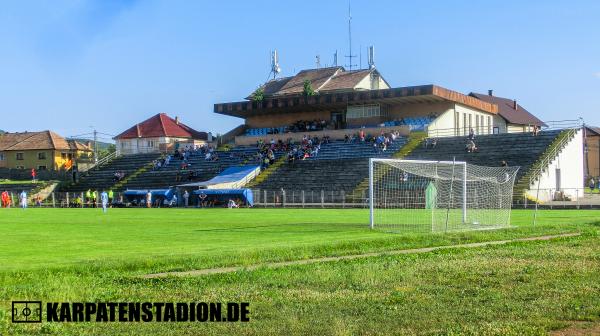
{"points": [[69, 65]]}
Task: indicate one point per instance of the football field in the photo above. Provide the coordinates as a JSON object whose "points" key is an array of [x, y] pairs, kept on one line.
{"points": [[83, 255]]}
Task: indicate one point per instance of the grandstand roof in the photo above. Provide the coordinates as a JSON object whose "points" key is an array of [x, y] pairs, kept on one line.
{"points": [[340, 100], [507, 110], [161, 125], [321, 79], [593, 129], [21, 141]]}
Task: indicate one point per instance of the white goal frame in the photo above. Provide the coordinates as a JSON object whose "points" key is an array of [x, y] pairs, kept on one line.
{"points": [[371, 203], [461, 173]]}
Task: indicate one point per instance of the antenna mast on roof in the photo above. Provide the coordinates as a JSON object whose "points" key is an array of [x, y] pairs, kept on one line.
{"points": [[350, 56], [371, 57], [275, 68], [318, 61], [335, 58]]}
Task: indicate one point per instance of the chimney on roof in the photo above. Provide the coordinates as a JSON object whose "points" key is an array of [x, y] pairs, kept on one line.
{"points": [[490, 92], [177, 120], [515, 105]]}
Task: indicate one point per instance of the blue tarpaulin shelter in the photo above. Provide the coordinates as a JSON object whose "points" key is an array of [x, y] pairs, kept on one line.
{"points": [[224, 195], [230, 177], [141, 194]]}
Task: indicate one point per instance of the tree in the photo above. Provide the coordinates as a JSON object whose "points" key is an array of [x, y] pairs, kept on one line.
{"points": [[258, 95], [308, 90]]}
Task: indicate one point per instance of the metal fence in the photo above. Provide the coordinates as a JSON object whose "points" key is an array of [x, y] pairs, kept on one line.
{"points": [[566, 198]]}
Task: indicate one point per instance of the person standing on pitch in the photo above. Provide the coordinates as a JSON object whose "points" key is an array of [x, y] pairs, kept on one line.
{"points": [[149, 199], [186, 198], [104, 200], [23, 199]]}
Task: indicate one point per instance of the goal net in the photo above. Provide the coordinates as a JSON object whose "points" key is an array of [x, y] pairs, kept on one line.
{"points": [[426, 196]]}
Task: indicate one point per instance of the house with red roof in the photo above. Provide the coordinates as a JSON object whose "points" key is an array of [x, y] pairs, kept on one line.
{"points": [[159, 133]]}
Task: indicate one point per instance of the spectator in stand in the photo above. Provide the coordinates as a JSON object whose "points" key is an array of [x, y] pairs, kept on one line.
{"points": [[471, 147], [471, 134], [33, 175], [536, 130], [149, 199], [361, 135], [592, 185]]}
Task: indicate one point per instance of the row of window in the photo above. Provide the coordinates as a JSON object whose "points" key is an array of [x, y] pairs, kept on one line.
{"points": [[364, 111], [41, 156], [481, 125]]}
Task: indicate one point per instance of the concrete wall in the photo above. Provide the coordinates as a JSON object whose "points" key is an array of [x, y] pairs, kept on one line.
{"points": [[570, 163], [333, 134]]}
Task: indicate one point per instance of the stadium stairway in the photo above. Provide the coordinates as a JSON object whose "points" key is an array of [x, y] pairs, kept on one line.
{"points": [[541, 164], [414, 141], [338, 167]]}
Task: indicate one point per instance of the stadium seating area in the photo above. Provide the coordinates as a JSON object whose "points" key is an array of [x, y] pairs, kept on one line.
{"points": [[203, 169], [416, 124], [338, 166], [102, 178], [517, 149], [16, 188], [166, 176]]}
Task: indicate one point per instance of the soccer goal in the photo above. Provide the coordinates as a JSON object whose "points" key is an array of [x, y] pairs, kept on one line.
{"points": [[429, 196]]}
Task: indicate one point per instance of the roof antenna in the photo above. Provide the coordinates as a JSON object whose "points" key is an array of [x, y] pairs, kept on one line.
{"points": [[371, 57], [360, 57], [275, 68], [350, 56], [335, 58], [318, 61]]}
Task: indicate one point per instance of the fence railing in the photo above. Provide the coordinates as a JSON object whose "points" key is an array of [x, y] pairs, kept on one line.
{"points": [[566, 198]]}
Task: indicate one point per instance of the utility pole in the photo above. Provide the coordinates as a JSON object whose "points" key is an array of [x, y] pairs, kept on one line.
{"points": [[95, 146]]}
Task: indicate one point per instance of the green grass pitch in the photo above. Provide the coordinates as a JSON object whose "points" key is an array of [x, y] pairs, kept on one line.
{"points": [[77, 255]]}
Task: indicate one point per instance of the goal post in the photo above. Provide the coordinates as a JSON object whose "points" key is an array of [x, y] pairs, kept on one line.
{"points": [[425, 196]]}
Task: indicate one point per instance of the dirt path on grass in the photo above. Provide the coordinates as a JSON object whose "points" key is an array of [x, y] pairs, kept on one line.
{"points": [[220, 270]]}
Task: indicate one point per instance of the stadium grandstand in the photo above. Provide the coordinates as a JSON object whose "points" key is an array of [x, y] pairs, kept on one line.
{"points": [[314, 133]]}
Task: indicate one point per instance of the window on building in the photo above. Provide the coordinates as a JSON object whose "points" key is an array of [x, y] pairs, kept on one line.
{"points": [[63, 156], [20, 156], [41, 167], [150, 144], [470, 121], [496, 130], [465, 130], [42, 156], [364, 111], [476, 124], [489, 124], [1, 156], [456, 123]]}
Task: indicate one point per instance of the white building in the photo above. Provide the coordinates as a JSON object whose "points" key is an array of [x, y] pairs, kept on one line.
{"points": [[160, 133]]}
